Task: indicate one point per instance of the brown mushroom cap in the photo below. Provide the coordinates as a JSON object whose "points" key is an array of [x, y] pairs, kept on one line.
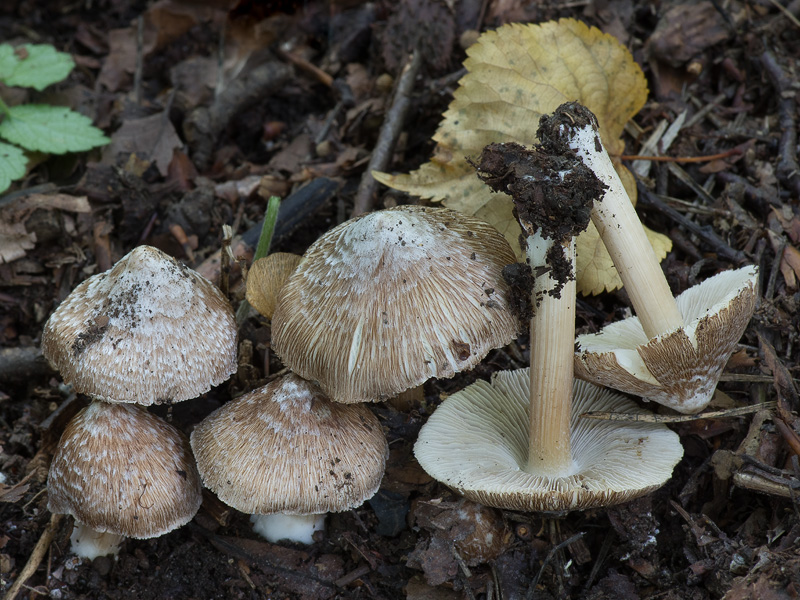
{"points": [[120, 469], [387, 300], [287, 448], [266, 278], [477, 444], [679, 369], [150, 330]]}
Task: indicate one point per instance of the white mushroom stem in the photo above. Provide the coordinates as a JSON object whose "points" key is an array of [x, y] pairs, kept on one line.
{"points": [[294, 528], [88, 543], [626, 241], [552, 359]]}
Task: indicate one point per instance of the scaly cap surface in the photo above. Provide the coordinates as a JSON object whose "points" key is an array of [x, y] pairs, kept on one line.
{"points": [[385, 301], [287, 448], [120, 469], [148, 331]]}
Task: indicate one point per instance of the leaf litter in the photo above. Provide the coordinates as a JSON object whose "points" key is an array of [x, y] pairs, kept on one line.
{"points": [[725, 526]]}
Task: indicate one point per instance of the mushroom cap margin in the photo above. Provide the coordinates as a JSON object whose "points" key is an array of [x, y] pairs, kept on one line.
{"points": [[679, 369], [388, 300], [148, 331], [476, 443], [287, 448], [120, 469]]}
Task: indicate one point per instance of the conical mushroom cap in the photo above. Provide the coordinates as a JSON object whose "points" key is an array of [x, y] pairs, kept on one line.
{"points": [[121, 470], [387, 300], [476, 443], [680, 369], [287, 448], [150, 330]]}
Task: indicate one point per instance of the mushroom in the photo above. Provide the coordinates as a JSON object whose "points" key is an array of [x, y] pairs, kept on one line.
{"points": [[517, 442], [121, 472], [672, 352], [266, 278], [286, 448], [148, 331], [385, 301]]}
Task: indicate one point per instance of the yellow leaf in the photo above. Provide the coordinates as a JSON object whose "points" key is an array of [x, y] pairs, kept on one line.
{"points": [[515, 75]]}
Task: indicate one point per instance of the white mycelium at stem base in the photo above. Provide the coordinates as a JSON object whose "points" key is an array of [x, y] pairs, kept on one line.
{"points": [[294, 528], [626, 241], [88, 543]]}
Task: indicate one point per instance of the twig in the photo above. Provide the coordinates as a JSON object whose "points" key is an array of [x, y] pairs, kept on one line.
{"points": [[750, 190], [390, 131], [137, 74], [39, 550], [684, 159], [464, 572], [548, 558], [705, 233], [788, 171], [651, 418], [300, 62], [786, 12], [225, 258], [608, 540], [23, 363]]}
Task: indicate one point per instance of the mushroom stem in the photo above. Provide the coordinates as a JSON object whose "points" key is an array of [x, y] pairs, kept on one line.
{"points": [[552, 331], [624, 237], [89, 543], [294, 528]]}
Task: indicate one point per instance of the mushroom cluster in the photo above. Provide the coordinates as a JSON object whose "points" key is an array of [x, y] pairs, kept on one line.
{"points": [[517, 443], [148, 331], [376, 306]]}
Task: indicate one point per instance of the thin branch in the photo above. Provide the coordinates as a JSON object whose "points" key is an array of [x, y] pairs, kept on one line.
{"points": [[387, 138]]}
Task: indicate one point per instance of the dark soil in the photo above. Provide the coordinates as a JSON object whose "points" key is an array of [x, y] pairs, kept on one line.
{"points": [[307, 87]]}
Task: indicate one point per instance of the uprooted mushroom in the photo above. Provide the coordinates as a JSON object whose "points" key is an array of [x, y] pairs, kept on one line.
{"points": [[517, 442]]}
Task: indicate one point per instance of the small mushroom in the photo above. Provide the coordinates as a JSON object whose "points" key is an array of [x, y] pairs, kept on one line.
{"points": [[517, 442], [385, 301], [286, 448], [121, 472], [148, 331], [671, 352], [266, 278]]}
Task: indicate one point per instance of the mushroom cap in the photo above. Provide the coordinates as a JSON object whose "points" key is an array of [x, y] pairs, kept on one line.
{"points": [[385, 301], [149, 331], [679, 369], [476, 443], [122, 470], [287, 448], [266, 278]]}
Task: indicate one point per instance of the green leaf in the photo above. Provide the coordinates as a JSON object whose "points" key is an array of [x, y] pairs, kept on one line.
{"points": [[52, 129], [33, 65], [12, 165], [8, 62]]}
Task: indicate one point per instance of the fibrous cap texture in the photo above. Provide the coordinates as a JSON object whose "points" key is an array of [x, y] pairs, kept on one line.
{"points": [[477, 444], [679, 369], [385, 301], [149, 331], [287, 448], [121, 470]]}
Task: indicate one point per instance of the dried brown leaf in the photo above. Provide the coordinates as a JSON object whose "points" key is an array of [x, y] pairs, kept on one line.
{"points": [[515, 75]]}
